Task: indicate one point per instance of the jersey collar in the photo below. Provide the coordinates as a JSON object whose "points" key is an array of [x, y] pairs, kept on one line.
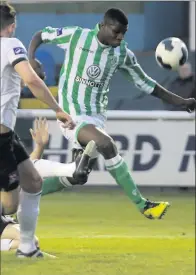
{"points": [[96, 30]]}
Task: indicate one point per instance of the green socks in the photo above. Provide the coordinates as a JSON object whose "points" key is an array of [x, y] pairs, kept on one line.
{"points": [[120, 172], [51, 185]]}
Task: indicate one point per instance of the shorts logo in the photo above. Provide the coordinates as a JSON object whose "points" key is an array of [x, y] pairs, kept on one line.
{"points": [[13, 177], [19, 50], [93, 71], [59, 31]]}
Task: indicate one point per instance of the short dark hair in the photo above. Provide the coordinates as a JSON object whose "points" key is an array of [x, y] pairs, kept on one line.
{"points": [[7, 15], [115, 15]]}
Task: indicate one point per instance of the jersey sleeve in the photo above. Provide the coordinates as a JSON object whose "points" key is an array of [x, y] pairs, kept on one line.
{"points": [[16, 51], [134, 73], [58, 36]]}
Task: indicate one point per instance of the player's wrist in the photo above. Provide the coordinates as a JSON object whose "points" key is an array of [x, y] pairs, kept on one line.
{"points": [[179, 101], [39, 146], [58, 110]]}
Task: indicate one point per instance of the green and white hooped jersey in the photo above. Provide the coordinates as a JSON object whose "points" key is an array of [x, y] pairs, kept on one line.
{"points": [[88, 68]]}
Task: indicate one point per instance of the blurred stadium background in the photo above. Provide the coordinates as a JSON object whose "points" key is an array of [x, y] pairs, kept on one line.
{"points": [[157, 141]]}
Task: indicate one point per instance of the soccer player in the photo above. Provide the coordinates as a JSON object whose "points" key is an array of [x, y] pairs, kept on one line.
{"points": [[54, 174], [92, 58], [15, 165]]}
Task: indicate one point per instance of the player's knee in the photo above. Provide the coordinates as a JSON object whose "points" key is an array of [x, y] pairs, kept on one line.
{"points": [[107, 147], [34, 184], [37, 183]]}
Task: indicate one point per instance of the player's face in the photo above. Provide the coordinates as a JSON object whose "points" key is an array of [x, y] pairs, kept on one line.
{"points": [[114, 33]]}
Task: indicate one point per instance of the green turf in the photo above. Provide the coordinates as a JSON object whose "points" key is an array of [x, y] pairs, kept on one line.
{"points": [[102, 233]]}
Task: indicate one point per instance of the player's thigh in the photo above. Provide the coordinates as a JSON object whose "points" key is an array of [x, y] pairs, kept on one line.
{"points": [[11, 231], [85, 125], [9, 201], [30, 180], [104, 143], [90, 132], [9, 178]]}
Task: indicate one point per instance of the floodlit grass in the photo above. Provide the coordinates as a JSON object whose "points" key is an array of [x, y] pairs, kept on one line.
{"points": [[99, 232]]}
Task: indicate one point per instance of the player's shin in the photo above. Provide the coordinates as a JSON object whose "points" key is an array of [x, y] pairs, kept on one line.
{"points": [[119, 170], [54, 184], [27, 214]]}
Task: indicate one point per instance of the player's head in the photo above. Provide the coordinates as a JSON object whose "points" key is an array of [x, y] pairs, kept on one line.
{"points": [[7, 19], [113, 27]]}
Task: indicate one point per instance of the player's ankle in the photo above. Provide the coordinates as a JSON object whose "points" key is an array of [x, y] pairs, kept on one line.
{"points": [[27, 246], [141, 204]]}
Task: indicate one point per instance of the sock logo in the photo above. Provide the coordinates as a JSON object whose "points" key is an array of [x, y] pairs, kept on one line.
{"points": [[134, 192]]}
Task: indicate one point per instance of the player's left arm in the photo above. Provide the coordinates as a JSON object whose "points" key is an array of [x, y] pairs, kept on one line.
{"points": [[40, 136], [135, 73]]}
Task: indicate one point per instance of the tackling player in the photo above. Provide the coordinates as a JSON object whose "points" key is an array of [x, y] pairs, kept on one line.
{"points": [[54, 180], [92, 58], [15, 165], [54, 173]]}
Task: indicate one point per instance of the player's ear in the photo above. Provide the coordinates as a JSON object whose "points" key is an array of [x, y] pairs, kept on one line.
{"points": [[102, 24], [12, 27]]}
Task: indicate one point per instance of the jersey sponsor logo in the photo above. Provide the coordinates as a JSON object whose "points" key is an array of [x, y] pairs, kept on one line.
{"points": [[19, 50], [88, 82], [59, 31], [93, 71]]}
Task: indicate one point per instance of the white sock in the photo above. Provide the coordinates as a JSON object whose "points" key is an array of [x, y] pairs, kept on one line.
{"points": [[27, 214], [47, 168]]}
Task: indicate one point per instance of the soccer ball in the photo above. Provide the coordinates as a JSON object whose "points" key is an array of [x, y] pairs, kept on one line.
{"points": [[171, 53]]}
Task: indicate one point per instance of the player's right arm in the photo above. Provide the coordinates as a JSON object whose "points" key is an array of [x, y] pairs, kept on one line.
{"points": [[59, 36]]}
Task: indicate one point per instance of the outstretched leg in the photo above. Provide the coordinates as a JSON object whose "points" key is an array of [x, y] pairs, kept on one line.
{"points": [[119, 170]]}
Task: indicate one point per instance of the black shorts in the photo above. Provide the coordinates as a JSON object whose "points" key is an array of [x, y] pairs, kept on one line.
{"points": [[12, 153]]}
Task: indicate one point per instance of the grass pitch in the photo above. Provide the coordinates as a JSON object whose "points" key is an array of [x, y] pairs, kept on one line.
{"points": [[99, 232]]}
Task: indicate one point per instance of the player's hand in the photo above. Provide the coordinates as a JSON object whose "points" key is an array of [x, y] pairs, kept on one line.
{"points": [[66, 119], [189, 105], [40, 134], [38, 68]]}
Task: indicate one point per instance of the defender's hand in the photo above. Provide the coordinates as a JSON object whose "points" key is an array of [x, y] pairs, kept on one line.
{"points": [[40, 134]]}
